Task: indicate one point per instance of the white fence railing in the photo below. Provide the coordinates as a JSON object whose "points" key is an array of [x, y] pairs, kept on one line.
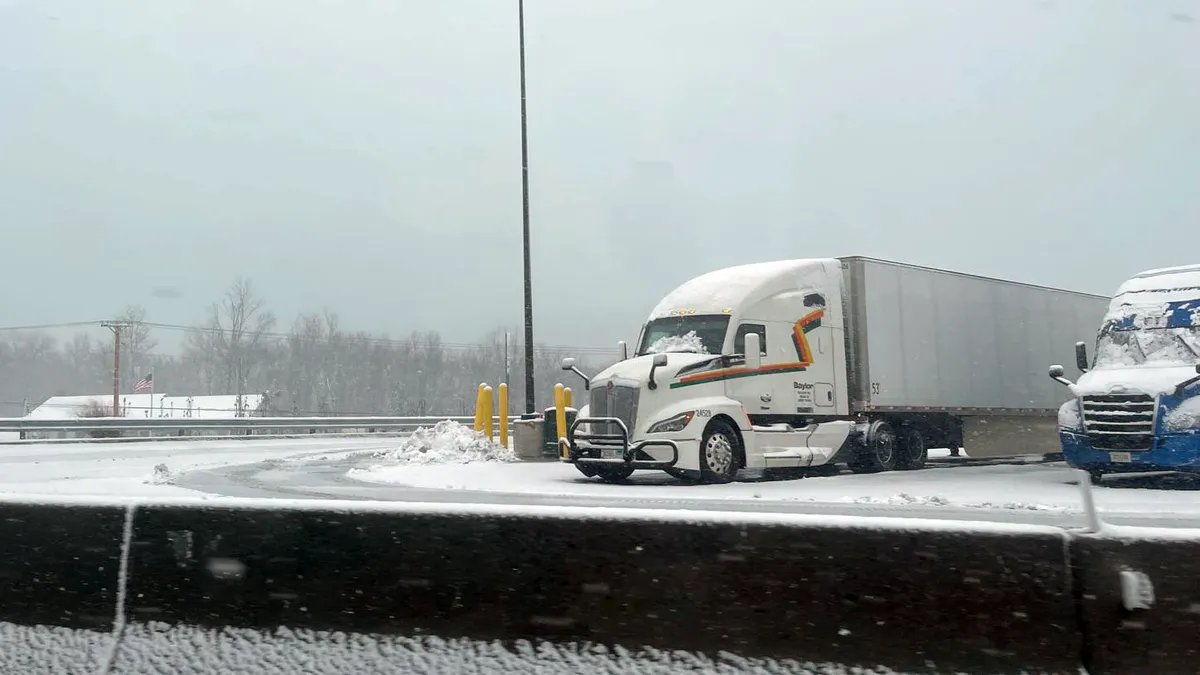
{"points": [[121, 428]]}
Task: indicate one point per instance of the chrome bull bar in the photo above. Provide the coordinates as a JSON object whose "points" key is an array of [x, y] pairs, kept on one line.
{"points": [[609, 449]]}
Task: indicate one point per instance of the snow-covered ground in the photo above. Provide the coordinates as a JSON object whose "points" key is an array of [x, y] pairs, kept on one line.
{"points": [[450, 459], [435, 462], [145, 469], [188, 650]]}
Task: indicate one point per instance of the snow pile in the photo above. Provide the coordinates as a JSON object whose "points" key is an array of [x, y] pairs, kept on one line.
{"points": [[905, 499], [162, 475], [688, 342], [447, 442]]}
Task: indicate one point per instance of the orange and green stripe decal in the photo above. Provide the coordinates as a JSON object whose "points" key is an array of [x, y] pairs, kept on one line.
{"points": [[802, 327], [734, 373], [800, 330]]}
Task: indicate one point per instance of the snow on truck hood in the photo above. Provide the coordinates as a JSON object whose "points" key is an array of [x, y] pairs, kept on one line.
{"points": [[636, 371], [1151, 380]]}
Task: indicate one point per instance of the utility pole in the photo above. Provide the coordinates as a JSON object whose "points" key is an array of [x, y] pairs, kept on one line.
{"points": [[530, 404], [116, 327]]}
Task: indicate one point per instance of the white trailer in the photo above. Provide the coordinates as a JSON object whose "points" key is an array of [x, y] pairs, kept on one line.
{"points": [[797, 364]]}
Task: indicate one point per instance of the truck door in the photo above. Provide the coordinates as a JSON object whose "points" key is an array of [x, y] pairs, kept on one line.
{"points": [[754, 390], [813, 382]]}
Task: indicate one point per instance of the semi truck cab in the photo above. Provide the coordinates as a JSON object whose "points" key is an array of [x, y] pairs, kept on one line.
{"points": [[1136, 407], [736, 368]]}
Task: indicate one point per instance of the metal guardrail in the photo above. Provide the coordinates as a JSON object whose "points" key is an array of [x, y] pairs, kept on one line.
{"points": [[123, 427]]}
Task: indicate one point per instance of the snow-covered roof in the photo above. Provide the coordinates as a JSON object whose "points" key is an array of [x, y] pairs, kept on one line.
{"points": [[733, 288], [218, 406], [1167, 284], [71, 407]]}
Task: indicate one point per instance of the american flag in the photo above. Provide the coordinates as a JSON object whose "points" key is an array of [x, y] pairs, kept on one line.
{"points": [[144, 383]]}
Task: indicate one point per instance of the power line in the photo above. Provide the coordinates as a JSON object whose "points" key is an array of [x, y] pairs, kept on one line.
{"points": [[49, 326]]}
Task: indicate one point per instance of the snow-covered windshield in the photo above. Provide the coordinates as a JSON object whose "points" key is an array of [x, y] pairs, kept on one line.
{"points": [[1154, 346], [1164, 334], [701, 334], [1158, 334]]}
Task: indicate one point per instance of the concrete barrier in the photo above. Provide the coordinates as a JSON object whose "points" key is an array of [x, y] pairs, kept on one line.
{"points": [[910, 597], [1141, 633], [61, 564], [384, 587], [59, 583]]}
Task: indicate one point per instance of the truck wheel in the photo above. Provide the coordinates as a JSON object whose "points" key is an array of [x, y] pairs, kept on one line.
{"points": [[879, 451], [586, 470], [718, 453], [913, 452], [615, 474]]}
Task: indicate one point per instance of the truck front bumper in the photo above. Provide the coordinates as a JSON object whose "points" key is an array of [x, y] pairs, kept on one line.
{"points": [[614, 449], [1171, 452]]}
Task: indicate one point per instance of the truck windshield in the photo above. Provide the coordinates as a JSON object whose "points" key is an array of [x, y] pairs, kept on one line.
{"points": [[1149, 347], [701, 334]]}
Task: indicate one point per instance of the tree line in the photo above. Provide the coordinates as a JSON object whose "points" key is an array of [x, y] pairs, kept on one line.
{"points": [[314, 367]]}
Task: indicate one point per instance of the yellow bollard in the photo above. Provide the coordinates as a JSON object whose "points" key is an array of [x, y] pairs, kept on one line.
{"points": [[487, 412], [567, 397], [560, 416], [502, 404], [479, 407]]}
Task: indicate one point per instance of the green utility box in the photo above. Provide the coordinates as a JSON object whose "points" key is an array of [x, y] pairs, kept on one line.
{"points": [[550, 432]]}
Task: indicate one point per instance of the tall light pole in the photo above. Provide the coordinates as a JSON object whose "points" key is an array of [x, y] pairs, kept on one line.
{"points": [[530, 402]]}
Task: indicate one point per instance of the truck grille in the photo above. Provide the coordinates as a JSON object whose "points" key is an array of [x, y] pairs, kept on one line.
{"points": [[621, 402], [1119, 421]]}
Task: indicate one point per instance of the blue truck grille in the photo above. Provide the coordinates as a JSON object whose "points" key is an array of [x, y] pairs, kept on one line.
{"points": [[620, 402], [1119, 421]]}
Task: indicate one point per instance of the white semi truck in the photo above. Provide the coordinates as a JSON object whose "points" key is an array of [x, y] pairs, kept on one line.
{"points": [[798, 364]]}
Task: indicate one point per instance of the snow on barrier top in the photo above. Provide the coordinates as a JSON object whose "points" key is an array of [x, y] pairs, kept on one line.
{"points": [[689, 516]]}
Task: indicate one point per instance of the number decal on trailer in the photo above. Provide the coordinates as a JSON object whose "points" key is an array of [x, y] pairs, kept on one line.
{"points": [[874, 387]]}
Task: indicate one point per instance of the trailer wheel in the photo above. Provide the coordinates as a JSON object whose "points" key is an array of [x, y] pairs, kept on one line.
{"points": [[913, 451], [614, 475], [880, 450], [718, 453]]}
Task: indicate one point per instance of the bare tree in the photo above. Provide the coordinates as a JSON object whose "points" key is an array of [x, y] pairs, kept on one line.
{"points": [[238, 323], [136, 342]]}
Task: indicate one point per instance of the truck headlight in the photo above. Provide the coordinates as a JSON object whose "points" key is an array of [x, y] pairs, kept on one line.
{"points": [[676, 423]]}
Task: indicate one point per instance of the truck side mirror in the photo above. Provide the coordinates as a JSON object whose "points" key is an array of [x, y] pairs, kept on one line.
{"points": [[569, 364], [1081, 359], [659, 361], [624, 349], [1056, 374], [753, 356]]}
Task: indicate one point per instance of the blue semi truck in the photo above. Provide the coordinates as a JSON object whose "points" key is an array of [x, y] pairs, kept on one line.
{"points": [[1136, 407]]}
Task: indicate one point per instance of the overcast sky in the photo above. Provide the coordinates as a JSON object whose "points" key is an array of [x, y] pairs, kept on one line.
{"points": [[365, 156]]}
